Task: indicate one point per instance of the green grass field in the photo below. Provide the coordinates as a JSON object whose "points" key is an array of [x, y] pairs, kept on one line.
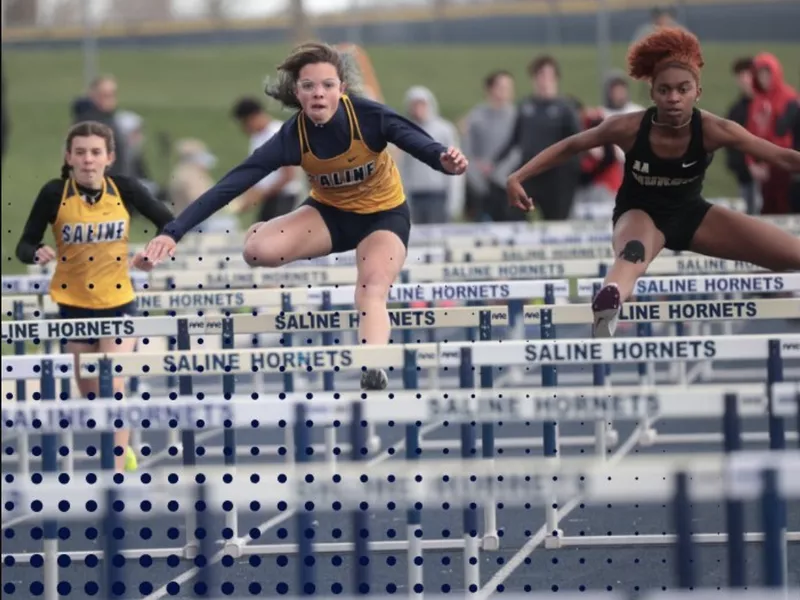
{"points": [[189, 92]]}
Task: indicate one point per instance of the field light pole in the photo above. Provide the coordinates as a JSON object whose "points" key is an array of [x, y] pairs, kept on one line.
{"points": [[301, 28], [89, 46], [603, 45]]}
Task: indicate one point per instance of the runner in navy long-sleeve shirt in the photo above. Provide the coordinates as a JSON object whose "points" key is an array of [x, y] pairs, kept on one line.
{"points": [[357, 199]]}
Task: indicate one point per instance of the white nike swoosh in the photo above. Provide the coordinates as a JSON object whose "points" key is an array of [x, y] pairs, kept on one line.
{"points": [[687, 165]]}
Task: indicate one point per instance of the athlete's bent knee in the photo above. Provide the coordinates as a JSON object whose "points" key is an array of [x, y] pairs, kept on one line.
{"points": [[252, 229], [371, 290], [257, 253], [633, 252], [794, 257]]}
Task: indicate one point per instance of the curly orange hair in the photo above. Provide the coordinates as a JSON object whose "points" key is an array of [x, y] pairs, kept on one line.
{"points": [[670, 46]]}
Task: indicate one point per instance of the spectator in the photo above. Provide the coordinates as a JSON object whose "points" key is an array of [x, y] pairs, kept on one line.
{"points": [[190, 178], [735, 160], [616, 95], [432, 196], [660, 17], [277, 194], [601, 175], [101, 106], [543, 119], [486, 129], [131, 127], [772, 97], [790, 125]]}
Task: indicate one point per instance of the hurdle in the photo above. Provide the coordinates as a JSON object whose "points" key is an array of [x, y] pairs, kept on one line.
{"points": [[469, 481], [212, 277], [487, 318], [466, 358]]}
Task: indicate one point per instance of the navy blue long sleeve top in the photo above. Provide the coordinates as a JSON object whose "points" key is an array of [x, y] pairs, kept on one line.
{"points": [[379, 124]]}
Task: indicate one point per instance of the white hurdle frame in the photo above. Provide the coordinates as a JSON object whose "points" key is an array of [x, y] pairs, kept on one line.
{"points": [[477, 355], [475, 479]]}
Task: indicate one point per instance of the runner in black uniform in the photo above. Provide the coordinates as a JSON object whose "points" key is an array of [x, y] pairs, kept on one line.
{"points": [[668, 148]]}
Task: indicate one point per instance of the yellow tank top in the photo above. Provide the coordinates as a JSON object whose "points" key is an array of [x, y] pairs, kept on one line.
{"points": [[92, 250], [360, 180]]}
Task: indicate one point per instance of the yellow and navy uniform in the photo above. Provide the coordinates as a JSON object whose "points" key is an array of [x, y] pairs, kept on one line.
{"points": [[355, 183], [91, 230], [358, 180]]}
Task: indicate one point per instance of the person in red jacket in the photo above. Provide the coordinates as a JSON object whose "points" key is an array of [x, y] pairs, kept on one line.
{"points": [[601, 174], [772, 98]]}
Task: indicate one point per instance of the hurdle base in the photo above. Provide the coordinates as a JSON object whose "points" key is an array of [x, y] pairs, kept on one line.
{"points": [[490, 542], [554, 540], [581, 541], [336, 547], [233, 548], [190, 550], [648, 437], [551, 543]]}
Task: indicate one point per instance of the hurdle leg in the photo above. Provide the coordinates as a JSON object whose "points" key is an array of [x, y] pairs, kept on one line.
{"points": [[328, 384], [678, 372], [648, 434], [550, 428], [50, 466], [414, 525], [330, 448], [24, 452], [68, 440], [469, 451], [491, 540], [231, 545]]}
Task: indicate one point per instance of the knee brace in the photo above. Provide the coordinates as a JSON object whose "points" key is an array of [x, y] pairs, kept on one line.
{"points": [[633, 252]]}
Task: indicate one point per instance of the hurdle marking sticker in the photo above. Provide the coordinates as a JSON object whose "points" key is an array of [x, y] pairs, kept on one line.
{"points": [[786, 398]]}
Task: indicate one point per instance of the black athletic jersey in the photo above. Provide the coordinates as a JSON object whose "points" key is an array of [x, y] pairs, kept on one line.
{"points": [[652, 180]]}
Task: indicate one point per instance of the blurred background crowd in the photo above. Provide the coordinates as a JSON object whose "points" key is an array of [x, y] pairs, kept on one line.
{"points": [[179, 82]]}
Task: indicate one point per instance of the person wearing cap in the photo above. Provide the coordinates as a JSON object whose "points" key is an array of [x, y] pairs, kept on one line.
{"points": [[191, 178], [278, 193]]}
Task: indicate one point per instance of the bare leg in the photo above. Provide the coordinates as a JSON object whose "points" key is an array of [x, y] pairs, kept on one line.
{"points": [[636, 243], [380, 257], [728, 234], [90, 387], [300, 234], [122, 436]]}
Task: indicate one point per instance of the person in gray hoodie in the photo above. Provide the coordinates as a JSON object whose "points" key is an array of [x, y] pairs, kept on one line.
{"points": [[487, 128], [616, 95], [432, 196]]}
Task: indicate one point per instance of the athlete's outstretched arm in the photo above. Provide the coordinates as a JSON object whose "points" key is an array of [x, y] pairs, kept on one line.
{"points": [[722, 133], [270, 157], [613, 130], [414, 140]]}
